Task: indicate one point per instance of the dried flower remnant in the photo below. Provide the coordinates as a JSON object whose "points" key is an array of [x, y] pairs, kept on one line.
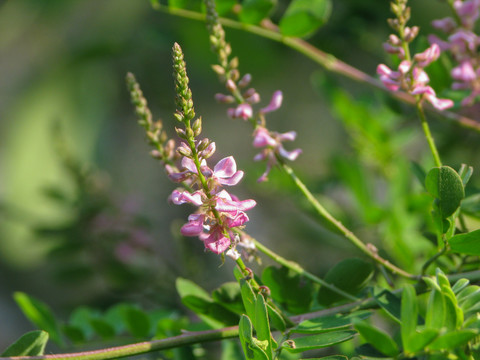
{"points": [[219, 213], [462, 44], [410, 75]]}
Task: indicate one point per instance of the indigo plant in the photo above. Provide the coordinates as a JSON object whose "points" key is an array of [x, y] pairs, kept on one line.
{"points": [[411, 291]]}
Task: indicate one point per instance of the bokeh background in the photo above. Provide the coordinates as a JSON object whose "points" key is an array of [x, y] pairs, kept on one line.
{"points": [[64, 62]]}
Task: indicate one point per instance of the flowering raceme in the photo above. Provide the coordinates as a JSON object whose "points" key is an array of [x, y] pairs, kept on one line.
{"points": [[410, 75], [462, 43], [218, 211]]}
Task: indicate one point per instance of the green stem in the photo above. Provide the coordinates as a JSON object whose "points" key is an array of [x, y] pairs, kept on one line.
{"points": [[298, 269], [328, 61], [436, 256], [428, 134], [370, 251]]}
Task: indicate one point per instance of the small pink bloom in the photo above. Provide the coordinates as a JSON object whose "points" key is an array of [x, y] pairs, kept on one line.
{"points": [[225, 203], [262, 138], [440, 104], [183, 197], [428, 56], [224, 99], [194, 226], [464, 72], [216, 241], [290, 155], [275, 102], [447, 25], [225, 172], [243, 111]]}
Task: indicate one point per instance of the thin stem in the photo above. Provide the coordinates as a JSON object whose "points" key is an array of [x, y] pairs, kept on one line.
{"points": [[328, 61], [370, 251], [436, 256], [428, 134], [298, 269]]}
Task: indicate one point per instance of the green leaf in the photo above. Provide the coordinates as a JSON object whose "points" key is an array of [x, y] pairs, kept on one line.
{"points": [[245, 330], [331, 357], [262, 326], [103, 328], [329, 323], [249, 299], [409, 315], [74, 334], [453, 340], [254, 11], [39, 314], [138, 323], [229, 296], [30, 344], [350, 275], [187, 288], [276, 319], [460, 285], [379, 339], [193, 5], [390, 303], [435, 315], [446, 186], [251, 346], [419, 340], [288, 288], [468, 244], [303, 17], [320, 341]]}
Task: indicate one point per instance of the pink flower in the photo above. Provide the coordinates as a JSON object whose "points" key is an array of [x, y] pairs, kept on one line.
{"points": [[243, 111], [275, 102], [194, 226], [216, 241], [428, 56], [225, 172], [183, 197], [272, 144]]}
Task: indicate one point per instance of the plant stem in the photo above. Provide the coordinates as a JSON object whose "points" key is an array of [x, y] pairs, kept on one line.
{"points": [[328, 61], [428, 134], [298, 269], [340, 228]]}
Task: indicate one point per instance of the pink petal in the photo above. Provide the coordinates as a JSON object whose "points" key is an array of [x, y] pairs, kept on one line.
{"points": [[290, 155], [217, 242], [440, 104], [182, 197], [275, 102], [233, 180], [262, 138], [225, 168], [194, 227], [288, 136]]}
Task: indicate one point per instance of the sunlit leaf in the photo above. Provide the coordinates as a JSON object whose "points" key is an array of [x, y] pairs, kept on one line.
{"points": [[254, 11], [409, 314], [446, 186], [319, 341], [468, 244], [30, 344], [39, 314], [329, 323], [453, 340]]}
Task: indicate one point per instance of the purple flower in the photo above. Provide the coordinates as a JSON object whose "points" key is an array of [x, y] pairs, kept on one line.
{"points": [[243, 111], [275, 102], [216, 241], [272, 144]]}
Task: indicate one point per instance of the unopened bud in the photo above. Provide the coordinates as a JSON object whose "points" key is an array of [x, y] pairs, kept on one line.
{"points": [[218, 69], [197, 127], [230, 85], [264, 290], [169, 148], [180, 133], [156, 154], [224, 99], [184, 151], [209, 150], [233, 63], [235, 74], [245, 80], [411, 33], [178, 116], [394, 40]]}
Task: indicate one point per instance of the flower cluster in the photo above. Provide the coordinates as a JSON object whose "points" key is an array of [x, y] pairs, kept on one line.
{"points": [[462, 43], [218, 211], [410, 75]]}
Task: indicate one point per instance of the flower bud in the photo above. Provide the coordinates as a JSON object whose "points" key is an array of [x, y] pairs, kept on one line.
{"points": [[197, 127], [245, 80], [224, 99], [230, 85], [209, 150], [156, 154], [235, 74], [180, 133], [178, 116], [203, 144], [218, 69], [233, 63], [184, 151], [394, 40]]}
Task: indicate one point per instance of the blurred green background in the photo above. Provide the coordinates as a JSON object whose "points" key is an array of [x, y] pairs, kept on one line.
{"points": [[65, 61]]}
